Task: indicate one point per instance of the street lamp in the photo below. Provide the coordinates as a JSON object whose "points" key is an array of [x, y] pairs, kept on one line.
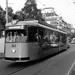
{"points": [[6, 11]]}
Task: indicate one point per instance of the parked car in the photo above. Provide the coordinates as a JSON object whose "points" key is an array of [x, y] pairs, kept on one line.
{"points": [[73, 41]]}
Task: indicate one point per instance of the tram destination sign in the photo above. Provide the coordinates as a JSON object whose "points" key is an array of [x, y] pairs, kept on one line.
{"points": [[14, 27]]}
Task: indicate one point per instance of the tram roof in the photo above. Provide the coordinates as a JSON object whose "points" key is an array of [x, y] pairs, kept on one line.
{"points": [[35, 23]]}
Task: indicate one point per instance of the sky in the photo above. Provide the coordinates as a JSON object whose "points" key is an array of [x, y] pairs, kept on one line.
{"points": [[64, 8]]}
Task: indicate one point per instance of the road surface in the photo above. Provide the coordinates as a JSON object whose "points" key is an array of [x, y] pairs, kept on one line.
{"points": [[60, 64]]}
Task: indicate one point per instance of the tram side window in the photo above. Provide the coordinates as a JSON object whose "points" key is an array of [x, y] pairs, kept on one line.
{"points": [[64, 38], [46, 36], [54, 37]]}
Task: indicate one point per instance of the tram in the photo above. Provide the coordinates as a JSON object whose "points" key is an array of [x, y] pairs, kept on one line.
{"points": [[31, 40]]}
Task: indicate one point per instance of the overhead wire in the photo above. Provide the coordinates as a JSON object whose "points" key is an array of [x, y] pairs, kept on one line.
{"points": [[42, 4]]}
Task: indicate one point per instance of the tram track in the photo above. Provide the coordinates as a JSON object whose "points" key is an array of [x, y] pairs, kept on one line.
{"points": [[21, 65], [24, 65], [34, 63], [16, 71], [13, 68], [12, 73]]}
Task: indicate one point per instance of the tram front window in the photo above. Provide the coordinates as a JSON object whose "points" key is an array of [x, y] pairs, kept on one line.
{"points": [[15, 36]]}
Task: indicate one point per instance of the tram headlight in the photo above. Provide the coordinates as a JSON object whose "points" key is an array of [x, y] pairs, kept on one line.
{"points": [[13, 50]]}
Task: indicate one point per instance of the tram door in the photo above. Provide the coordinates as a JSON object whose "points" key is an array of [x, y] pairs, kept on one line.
{"points": [[33, 42], [63, 41]]}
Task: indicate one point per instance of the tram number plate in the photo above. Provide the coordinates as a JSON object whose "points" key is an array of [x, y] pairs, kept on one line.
{"points": [[13, 45]]}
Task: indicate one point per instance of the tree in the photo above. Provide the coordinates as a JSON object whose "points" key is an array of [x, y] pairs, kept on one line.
{"points": [[19, 15], [39, 16], [10, 11], [2, 18], [31, 11], [10, 14]]}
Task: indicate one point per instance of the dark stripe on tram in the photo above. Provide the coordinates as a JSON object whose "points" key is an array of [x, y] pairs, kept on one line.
{"points": [[14, 59]]}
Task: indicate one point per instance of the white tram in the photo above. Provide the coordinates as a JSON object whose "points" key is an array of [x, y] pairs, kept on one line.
{"points": [[30, 40]]}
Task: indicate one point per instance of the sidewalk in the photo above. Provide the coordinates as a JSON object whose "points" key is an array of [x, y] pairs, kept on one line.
{"points": [[2, 45], [1, 55]]}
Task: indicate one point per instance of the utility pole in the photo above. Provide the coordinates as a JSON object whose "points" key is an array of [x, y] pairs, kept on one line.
{"points": [[6, 11]]}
